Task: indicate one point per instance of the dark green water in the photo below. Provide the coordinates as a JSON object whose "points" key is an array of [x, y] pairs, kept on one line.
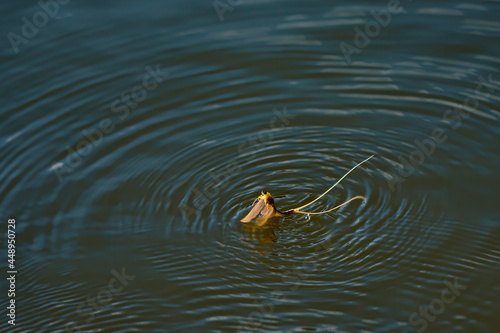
{"points": [[135, 135]]}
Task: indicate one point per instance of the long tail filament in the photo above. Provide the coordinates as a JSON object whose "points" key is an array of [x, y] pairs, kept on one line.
{"points": [[298, 210]]}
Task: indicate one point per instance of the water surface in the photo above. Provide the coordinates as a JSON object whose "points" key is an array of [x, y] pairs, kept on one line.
{"points": [[135, 136]]}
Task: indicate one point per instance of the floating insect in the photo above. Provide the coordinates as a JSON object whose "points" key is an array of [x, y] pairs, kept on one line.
{"points": [[264, 204]]}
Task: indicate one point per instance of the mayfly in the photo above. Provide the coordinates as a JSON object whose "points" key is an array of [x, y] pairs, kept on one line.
{"points": [[264, 204]]}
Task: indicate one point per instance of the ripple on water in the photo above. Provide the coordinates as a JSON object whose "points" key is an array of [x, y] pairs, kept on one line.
{"points": [[254, 104]]}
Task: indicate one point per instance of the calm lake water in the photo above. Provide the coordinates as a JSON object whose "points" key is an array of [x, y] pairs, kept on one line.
{"points": [[135, 135]]}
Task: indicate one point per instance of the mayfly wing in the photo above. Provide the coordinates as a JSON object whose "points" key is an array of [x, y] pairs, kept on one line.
{"points": [[258, 207], [271, 211]]}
